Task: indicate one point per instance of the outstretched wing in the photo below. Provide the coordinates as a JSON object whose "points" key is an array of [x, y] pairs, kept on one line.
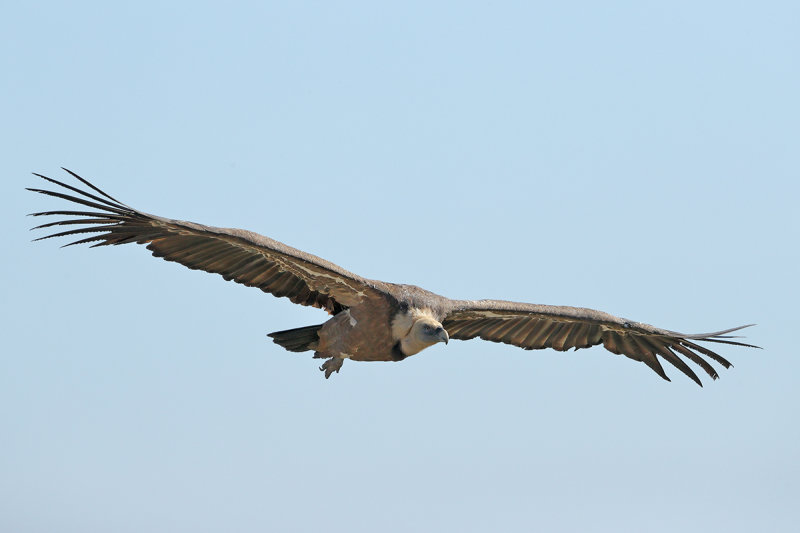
{"points": [[534, 327], [238, 255]]}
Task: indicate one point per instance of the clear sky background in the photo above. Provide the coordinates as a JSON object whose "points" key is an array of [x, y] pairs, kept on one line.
{"points": [[635, 157]]}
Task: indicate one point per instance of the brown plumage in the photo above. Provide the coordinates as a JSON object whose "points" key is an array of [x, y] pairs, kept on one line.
{"points": [[372, 320]]}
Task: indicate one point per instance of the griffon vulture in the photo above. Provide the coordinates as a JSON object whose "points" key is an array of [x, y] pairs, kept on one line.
{"points": [[371, 320]]}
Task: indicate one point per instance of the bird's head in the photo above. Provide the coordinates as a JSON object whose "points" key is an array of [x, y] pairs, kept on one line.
{"points": [[426, 331]]}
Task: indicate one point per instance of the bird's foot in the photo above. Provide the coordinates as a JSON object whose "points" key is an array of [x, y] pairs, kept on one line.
{"points": [[331, 365]]}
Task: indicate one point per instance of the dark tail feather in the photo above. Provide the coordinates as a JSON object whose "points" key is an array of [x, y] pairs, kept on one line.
{"points": [[297, 340]]}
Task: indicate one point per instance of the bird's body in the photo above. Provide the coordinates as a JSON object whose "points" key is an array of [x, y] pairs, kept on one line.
{"points": [[372, 320]]}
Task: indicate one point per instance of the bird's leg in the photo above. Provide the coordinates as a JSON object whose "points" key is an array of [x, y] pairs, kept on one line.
{"points": [[331, 365]]}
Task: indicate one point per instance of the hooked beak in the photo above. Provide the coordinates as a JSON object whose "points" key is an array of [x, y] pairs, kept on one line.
{"points": [[442, 335]]}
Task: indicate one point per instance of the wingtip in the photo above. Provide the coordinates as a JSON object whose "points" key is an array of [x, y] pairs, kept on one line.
{"points": [[694, 377], [731, 330], [71, 173]]}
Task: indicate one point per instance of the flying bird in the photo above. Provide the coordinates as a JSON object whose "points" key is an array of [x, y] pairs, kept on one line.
{"points": [[370, 320]]}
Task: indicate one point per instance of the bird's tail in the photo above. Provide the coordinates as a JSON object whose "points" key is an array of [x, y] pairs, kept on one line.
{"points": [[298, 339]]}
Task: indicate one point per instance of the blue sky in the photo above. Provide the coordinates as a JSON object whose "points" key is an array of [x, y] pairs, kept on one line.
{"points": [[639, 158]]}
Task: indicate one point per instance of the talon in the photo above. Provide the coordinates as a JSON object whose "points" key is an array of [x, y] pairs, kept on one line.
{"points": [[331, 365]]}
